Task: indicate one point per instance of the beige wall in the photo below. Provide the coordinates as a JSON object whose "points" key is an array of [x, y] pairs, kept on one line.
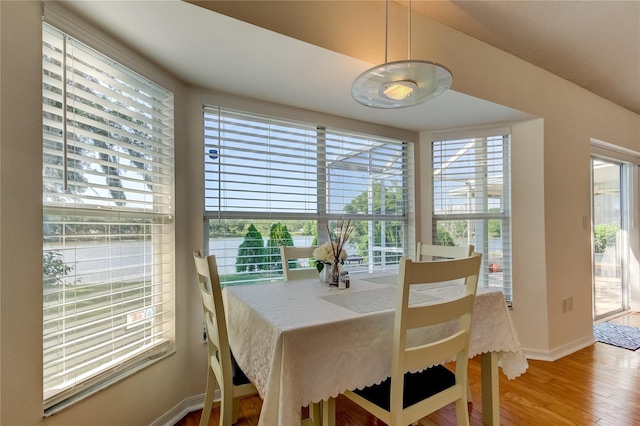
{"points": [[551, 195], [20, 210]]}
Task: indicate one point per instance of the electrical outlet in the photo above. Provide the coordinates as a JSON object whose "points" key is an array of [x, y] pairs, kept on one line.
{"points": [[570, 304], [564, 306]]}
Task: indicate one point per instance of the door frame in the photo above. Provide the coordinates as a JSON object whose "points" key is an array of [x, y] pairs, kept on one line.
{"points": [[622, 241]]}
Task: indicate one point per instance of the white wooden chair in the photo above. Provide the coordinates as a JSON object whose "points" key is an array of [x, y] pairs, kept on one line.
{"points": [[406, 397], [438, 252], [435, 252], [292, 254], [222, 366]]}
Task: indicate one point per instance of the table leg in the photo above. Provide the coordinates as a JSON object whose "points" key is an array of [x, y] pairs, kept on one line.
{"points": [[329, 412], [490, 389]]}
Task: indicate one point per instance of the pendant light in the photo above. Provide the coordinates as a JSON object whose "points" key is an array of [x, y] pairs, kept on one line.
{"points": [[400, 84]]}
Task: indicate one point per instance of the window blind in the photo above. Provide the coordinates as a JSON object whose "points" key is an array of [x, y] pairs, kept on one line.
{"points": [[108, 185], [472, 202], [262, 170], [259, 164]]}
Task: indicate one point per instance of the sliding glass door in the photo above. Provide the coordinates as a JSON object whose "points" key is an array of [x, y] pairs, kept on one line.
{"points": [[610, 244]]}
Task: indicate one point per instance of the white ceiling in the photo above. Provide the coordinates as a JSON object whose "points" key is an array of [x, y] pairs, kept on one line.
{"points": [[214, 51]]}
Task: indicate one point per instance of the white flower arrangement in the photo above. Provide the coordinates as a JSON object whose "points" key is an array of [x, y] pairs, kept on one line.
{"points": [[325, 254], [333, 250]]}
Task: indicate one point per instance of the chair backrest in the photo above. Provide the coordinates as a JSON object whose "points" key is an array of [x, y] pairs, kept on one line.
{"points": [[435, 252], [455, 345], [290, 266], [214, 316]]}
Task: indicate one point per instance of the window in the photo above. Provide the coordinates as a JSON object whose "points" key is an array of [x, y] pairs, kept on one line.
{"points": [[272, 182], [471, 202], [108, 234]]}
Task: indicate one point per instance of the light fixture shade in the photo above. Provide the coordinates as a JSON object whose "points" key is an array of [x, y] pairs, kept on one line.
{"points": [[427, 79]]}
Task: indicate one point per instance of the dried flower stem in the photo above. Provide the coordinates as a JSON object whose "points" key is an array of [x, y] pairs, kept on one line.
{"points": [[343, 232]]}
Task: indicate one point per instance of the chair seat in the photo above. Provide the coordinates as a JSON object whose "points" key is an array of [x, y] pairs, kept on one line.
{"points": [[237, 375], [417, 387], [239, 378]]}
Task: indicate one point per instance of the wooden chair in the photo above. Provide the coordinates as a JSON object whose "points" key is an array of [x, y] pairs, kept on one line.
{"points": [[436, 252], [433, 252], [406, 397], [292, 254], [222, 367]]}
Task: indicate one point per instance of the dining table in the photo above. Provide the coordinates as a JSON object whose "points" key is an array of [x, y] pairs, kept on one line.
{"points": [[303, 341]]}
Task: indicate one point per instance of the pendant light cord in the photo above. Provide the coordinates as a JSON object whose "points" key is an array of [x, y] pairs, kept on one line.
{"points": [[409, 30], [386, 31]]}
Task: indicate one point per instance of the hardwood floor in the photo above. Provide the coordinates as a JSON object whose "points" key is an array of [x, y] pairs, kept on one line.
{"points": [[599, 385]]}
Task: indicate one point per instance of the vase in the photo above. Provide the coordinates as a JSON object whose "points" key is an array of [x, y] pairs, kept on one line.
{"points": [[336, 268], [325, 274]]}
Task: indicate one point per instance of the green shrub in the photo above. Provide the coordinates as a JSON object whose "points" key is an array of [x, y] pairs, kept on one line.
{"points": [[278, 236], [605, 236], [443, 237], [251, 253], [54, 268]]}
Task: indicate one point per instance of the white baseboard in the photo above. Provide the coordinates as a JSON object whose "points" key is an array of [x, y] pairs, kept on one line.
{"points": [[559, 352], [183, 408]]}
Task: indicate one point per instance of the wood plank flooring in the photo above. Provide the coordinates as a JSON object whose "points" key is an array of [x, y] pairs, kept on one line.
{"points": [[599, 385]]}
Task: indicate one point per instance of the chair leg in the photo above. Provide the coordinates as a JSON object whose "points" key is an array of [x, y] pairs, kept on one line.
{"points": [[329, 412], [462, 412], [208, 398], [314, 414], [226, 405], [235, 411]]}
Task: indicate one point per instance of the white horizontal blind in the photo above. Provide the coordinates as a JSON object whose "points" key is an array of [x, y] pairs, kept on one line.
{"points": [[263, 170], [108, 184], [472, 202], [259, 164]]}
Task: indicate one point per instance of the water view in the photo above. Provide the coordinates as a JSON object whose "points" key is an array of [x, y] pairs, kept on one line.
{"points": [[97, 262]]}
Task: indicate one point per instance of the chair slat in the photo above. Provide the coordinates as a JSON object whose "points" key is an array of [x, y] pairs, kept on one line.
{"points": [[417, 357], [433, 252], [422, 316], [438, 271], [289, 254]]}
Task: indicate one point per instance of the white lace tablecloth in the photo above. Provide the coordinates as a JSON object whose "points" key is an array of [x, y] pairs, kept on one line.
{"points": [[301, 342]]}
